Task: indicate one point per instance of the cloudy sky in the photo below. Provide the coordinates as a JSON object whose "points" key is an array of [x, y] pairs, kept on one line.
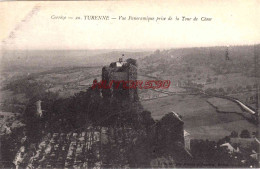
{"points": [[28, 25]]}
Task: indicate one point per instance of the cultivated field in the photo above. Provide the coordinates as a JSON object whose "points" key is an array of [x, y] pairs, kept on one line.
{"points": [[224, 105], [201, 120]]}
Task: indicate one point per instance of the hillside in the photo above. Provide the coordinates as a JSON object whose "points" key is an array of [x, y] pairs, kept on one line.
{"points": [[62, 58]]}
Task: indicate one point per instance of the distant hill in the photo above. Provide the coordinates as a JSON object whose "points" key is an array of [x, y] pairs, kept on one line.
{"points": [[45, 59], [113, 56], [206, 54], [222, 59]]}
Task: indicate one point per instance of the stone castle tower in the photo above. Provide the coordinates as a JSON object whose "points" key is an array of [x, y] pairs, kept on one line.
{"points": [[117, 72]]}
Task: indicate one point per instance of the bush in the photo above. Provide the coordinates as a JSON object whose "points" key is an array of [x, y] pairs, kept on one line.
{"points": [[234, 134], [245, 134]]}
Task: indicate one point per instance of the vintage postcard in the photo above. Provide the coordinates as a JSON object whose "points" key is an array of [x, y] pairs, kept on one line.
{"points": [[129, 84]]}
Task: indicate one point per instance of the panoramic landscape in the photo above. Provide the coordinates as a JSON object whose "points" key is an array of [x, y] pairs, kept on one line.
{"points": [[53, 115]]}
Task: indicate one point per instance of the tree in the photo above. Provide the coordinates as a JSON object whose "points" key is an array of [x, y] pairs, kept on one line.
{"points": [[239, 89], [234, 134], [131, 61], [245, 134], [221, 91], [200, 86], [229, 89], [208, 79], [157, 52], [209, 91], [248, 87], [255, 85]]}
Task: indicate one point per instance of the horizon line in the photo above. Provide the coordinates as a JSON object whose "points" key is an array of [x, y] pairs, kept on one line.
{"points": [[143, 49]]}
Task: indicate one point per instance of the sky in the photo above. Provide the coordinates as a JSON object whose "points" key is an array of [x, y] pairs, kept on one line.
{"points": [[28, 25]]}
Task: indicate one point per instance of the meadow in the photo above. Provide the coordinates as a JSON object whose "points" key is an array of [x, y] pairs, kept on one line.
{"points": [[201, 120]]}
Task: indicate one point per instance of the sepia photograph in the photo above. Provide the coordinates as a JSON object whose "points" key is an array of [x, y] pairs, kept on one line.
{"points": [[129, 84]]}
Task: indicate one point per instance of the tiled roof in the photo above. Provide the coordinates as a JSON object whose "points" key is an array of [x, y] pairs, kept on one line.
{"points": [[75, 149], [59, 150]]}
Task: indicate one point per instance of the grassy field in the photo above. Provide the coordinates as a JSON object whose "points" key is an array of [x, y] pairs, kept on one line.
{"points": [[225, 105], [231, 80], [200, 119], [217, 131]]}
